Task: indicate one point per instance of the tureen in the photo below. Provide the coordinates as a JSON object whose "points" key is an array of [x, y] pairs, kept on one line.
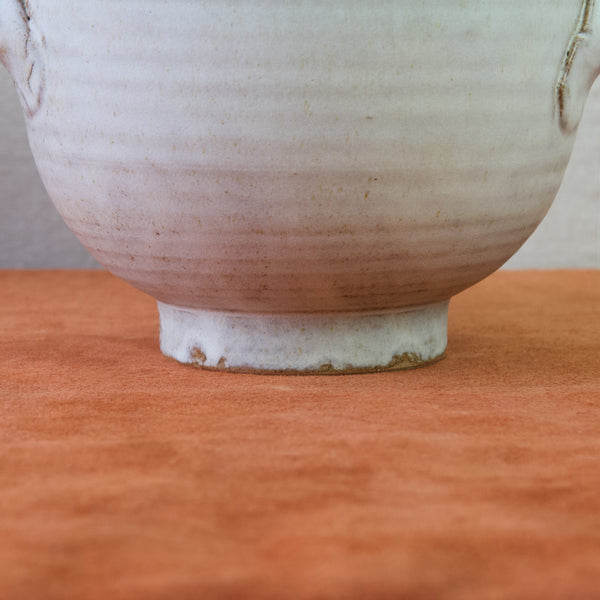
{"points": [[303, 185]]}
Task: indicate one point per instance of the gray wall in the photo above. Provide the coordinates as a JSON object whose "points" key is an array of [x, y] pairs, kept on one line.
{"points": [[32, 234]]}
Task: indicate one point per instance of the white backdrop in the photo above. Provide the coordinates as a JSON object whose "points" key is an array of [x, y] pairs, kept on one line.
{"points": [[32, 235]]}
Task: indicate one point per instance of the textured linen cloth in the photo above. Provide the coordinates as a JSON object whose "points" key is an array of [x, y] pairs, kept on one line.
{"points": [[125, 475]]}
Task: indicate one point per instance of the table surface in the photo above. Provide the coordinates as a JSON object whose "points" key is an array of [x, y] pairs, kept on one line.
{"points": [[125, 475]]}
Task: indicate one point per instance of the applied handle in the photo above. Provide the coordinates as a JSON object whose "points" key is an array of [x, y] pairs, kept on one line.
{"points": [[579, 68], [21, 52]]}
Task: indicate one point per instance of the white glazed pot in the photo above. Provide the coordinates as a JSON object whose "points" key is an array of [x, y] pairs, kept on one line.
{"points": [[302, 185]]}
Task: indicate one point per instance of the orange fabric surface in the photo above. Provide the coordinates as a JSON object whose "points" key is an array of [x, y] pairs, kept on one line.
{"points": [[125, 475]]}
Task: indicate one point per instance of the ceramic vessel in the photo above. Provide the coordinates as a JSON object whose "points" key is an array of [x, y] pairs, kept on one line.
{"points": [[302, 185]]}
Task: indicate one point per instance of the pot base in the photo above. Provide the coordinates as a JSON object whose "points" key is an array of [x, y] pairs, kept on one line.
{"points": [[304, 343]]}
